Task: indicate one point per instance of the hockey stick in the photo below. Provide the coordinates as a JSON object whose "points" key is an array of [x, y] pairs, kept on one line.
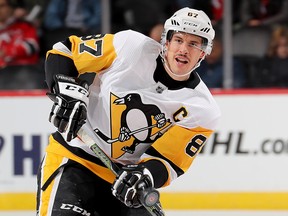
{"points": [[110, 141], [149, 197]]}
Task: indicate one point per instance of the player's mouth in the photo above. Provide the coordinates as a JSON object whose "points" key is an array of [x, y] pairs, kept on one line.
{"points": [[181, 60]]}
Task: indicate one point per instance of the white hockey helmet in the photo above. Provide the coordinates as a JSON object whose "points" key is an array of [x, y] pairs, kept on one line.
{"points": [[190, 21]]}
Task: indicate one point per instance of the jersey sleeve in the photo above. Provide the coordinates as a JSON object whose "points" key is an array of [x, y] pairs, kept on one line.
{"points": [[177, 149], [92, 53]]}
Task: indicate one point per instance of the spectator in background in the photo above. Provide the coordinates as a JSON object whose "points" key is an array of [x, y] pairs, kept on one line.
{"points": [[66, 17], [20, 10], [211, 69], [80, 15], [18, 39], [263, 12], [140, 15], [273, 70], [213, 8], [28, 11], [19, 51]]}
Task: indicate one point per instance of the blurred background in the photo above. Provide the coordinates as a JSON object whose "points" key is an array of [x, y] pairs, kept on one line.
{"points": [[241, 170], [250, 48]]}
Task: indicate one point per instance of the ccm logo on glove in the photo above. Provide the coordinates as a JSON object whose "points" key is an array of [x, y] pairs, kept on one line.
{"points": [[69, 112], [67, 88]]}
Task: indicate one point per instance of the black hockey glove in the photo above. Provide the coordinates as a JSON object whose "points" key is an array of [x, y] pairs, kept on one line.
{"points": [[131, 181], [69, 112]]}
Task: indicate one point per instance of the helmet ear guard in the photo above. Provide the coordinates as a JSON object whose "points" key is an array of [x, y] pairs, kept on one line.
{"points": [[190, 21], [208, 46]]}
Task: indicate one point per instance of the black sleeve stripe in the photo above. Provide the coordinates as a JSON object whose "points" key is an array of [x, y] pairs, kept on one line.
{"points": [[153, 152], [158, 171], [58, 64], [67, 43]]}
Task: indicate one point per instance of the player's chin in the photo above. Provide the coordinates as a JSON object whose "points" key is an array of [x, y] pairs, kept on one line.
{"points": [[182, 69]]}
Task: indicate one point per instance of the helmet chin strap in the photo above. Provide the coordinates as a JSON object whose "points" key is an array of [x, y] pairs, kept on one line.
{"points": [[173, 73]]}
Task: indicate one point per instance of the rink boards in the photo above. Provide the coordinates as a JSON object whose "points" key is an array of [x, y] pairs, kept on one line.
{"points": [[243, 165]]}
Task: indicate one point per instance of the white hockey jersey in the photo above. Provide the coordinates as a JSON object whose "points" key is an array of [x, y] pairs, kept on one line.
{"points": [[124, 94]]}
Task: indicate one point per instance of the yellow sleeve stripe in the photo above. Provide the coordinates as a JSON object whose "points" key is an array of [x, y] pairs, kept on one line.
{"points": [[89, 55], [93, 55], [180, 146], [177, 145]]}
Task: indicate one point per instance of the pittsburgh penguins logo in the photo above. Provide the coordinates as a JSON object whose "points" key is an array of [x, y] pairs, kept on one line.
{"points": [[132, 123]]}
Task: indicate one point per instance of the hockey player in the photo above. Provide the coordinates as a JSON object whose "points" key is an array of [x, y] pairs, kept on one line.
{"points": [[149, 108]]}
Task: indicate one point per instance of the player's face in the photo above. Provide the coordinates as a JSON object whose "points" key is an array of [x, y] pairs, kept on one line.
{"points": [[183, 52]]}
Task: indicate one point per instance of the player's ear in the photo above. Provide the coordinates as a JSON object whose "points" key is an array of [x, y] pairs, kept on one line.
{"points": [[202, 54]]}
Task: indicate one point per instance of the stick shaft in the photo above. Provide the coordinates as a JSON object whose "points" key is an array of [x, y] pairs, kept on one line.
{"points": [[87, 135]]}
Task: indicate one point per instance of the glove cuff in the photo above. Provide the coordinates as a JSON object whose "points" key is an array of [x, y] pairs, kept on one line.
{"points": [[149, 174]]}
